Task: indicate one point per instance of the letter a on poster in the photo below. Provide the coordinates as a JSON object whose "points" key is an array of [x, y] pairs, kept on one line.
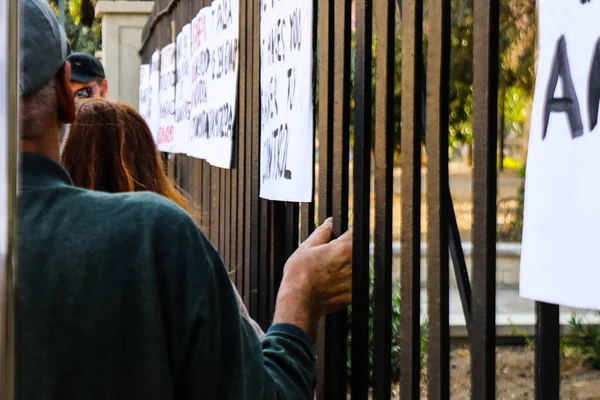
{"points": [[559, 258], [286, 62]]}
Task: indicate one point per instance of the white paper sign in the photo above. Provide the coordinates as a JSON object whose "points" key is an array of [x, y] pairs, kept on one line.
{"points": [[286, 55], [145, 95], [215, 32], [222, 88], [559, 260], [198, 143], [154, 103], [166, 98], [183, 91]]}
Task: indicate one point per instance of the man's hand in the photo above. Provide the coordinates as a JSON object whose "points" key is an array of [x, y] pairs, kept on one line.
{"points": [[317, 279]]}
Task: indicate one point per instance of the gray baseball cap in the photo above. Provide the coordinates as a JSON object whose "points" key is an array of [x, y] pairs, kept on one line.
{"points": [[43, 45]]}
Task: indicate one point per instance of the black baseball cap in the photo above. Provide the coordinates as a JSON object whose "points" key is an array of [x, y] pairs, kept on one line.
{"points": [[85, 68]]}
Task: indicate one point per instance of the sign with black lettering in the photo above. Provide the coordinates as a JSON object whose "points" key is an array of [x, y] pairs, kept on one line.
{"points": [[286, 100], [166, 98], [183, 91], [145, 93], [215, 32], [154, 86], [559, 261], [198, 145]]}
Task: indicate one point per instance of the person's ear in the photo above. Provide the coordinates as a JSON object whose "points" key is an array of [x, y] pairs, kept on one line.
{"points": [[104, 88], [64, 94]]}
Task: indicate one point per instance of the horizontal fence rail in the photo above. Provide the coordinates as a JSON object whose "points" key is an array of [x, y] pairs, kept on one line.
{"points": [[356, 129]]}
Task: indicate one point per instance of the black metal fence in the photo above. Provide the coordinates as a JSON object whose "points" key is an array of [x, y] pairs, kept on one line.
{"points": [[255, 236]]}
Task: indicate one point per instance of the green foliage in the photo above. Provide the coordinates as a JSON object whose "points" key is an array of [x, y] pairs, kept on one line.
{"points": [[584, 343], [516, 80], [517, 62], [511, 163], [461, 73], [512, 229], [395, 354], [81, 38], [397, 85]]}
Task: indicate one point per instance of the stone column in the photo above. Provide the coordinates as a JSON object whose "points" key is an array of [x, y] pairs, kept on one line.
{"points": [[122, 23]]}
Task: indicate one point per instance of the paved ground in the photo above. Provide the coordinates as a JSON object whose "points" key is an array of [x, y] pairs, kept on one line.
{"points": [[514, 314]]}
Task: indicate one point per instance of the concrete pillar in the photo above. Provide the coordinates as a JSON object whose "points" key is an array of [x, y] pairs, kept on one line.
{"points": [[122, 23]]}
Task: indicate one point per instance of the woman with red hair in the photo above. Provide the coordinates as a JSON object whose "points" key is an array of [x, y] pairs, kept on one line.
{"points": [[111, 149]]}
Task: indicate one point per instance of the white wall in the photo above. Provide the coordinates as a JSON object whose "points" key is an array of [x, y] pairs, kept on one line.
{"points": [[122, 23]]}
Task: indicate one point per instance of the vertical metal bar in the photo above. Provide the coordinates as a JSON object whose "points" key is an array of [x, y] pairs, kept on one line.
{"points": [[547, 352], [485, 109], [412, 54], [197, 182], [384, 168], [215, 183], [183, 173], [326, 37], [325, 108], [199, 177], [222, 202], [207, 199], [291, 237], [228, 223], [264, 274], [336, 325], [275, 251], [307, 213], [233, 216], [192, 182], [460, 266], [241, 265], [362, 196], [307, 220], [281, 234], [438, 296], [204, 167], [9, 105], [249, 203], [255, 211], [284, 241]]}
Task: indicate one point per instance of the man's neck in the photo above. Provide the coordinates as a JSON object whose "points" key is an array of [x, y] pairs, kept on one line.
{"points": [[31, 147], [44, 144]]}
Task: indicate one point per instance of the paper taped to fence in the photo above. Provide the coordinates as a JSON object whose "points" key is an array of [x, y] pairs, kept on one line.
{"points": [[287, 134], [154, 87], [166, 98], [183, 91], [145, 94], [198, 145], [560, 262], [215, 32]]}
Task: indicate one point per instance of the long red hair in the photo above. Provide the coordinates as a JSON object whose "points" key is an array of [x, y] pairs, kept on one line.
{"points": [[111, 149]]}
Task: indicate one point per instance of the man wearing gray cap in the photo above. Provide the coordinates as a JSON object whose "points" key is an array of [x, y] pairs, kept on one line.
{"points": [[120, 296]]}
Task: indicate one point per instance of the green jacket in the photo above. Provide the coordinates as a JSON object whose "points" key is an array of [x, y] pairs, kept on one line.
{"points": [[120, 296]]}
